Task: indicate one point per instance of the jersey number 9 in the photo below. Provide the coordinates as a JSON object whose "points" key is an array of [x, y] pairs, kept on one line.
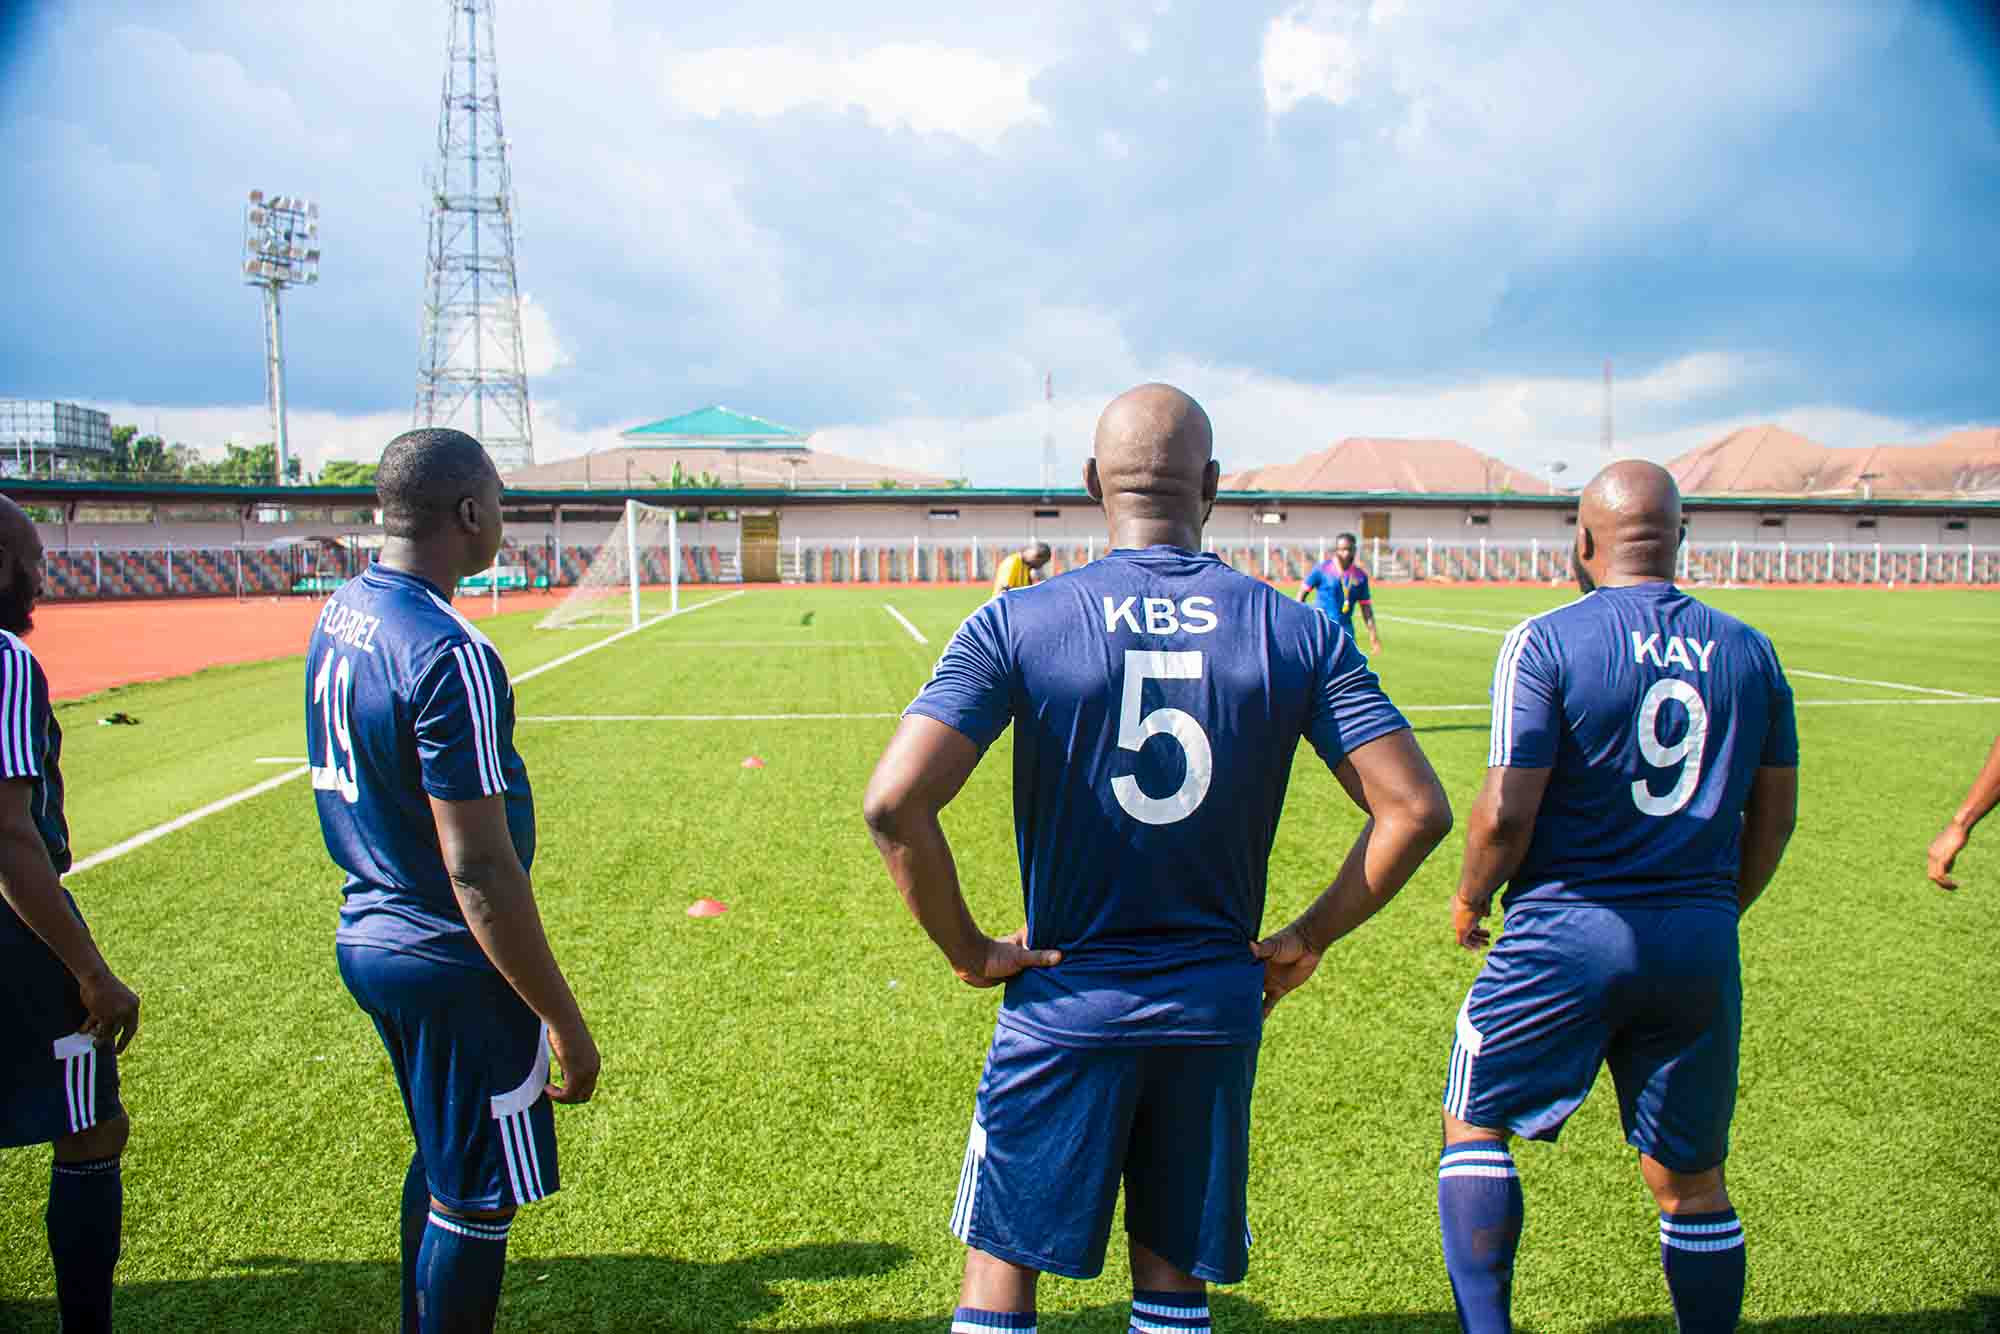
{"points": [[1686, 752], [1133, 731], [333, 692]]}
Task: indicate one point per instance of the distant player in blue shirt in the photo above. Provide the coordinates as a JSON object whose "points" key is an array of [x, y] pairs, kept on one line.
{"points": [[1340, 585], [425, 804], [1642, 782], [64, 1016], [1157, 698]]}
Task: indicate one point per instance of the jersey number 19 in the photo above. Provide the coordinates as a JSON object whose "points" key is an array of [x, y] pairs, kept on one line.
{"points": [[333, 692]]}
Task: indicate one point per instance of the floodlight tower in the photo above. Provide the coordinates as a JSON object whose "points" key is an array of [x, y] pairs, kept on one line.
{"points": [[473, 373], [280, 250]]}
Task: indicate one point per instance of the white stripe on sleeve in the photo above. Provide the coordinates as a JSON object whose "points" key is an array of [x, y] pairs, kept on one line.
{"points": [[473, 692]]}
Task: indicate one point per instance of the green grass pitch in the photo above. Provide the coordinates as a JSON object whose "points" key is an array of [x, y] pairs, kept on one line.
{"points": [[776, 1138]]}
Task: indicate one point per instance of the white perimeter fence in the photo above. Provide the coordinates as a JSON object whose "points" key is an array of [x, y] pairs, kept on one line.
{"points": [[1283, 560], [243, 570]]}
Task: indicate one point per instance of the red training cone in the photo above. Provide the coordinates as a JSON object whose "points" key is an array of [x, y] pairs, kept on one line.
{"points": [[707, 908], [753, 763]]}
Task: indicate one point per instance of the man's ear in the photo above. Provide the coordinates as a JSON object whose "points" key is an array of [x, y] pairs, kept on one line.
{"points": [[1091, 482], [1586, 544], [1211, 481], [469, 516]]}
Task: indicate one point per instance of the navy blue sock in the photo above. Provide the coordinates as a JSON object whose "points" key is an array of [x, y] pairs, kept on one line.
{"points": [[1155, 1311], [416, 1217], [1479, 1208], [86, 1213], [972, 1320], [458, 1273], [1703, 1257]]}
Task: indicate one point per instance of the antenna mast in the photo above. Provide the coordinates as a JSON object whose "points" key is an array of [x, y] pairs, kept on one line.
{"points": [[473, 375]]}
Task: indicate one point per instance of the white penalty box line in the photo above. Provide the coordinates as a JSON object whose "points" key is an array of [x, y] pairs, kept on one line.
{"points": [[180, 822], [904, 621], [1963, 696]]}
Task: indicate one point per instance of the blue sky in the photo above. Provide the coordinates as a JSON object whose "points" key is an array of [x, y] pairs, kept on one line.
{"points": [[1373, 217]]}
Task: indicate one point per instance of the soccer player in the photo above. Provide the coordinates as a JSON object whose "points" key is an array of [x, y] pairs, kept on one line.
{"points": [[1642, 784], [424, 802], [1019, 569], [1158, 698], [1340, 585], [1983, 797], [64, 1016]]}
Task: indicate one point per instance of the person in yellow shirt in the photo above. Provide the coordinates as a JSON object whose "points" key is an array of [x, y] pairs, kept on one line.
{"points": [[1018, 570]]}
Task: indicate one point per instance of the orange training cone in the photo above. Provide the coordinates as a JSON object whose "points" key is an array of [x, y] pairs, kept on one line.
{"points": [[752, 762], [707, 908]]}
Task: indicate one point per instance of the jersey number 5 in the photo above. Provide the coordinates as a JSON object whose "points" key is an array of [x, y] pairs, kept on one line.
{"points": [[333, 692], [1686, 752], [1133, 730]]}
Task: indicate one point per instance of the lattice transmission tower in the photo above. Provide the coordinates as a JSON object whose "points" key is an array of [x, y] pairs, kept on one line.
{"points": [[473, 374]]}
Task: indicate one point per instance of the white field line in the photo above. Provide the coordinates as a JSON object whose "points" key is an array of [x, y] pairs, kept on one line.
{"points": [[1964, 695], [279, 759], [697, 717], [779, 643], [183, 821], [180, 822], [1444, 625], [852, 717], [904, 621], [609, 640], [1886, 685]]}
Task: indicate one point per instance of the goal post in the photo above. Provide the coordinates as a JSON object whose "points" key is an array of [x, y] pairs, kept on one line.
{"points": [[634, 572]]}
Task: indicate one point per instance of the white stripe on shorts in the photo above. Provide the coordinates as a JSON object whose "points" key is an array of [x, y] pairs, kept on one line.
{"points": [[968, 1182]]}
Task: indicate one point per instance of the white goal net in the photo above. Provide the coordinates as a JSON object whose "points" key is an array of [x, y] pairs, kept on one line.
{"points": [[634, 573]]}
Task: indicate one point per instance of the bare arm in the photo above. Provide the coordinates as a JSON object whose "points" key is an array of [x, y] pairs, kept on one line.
{"points": [[1496, 839], [1768, 819], [1951, 840], [1368, 616], [924, 767], [29, 883], [499, 905], [1408, 816]]}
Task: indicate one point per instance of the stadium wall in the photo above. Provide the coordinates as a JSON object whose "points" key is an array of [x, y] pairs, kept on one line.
{"points": [[113, 542]]}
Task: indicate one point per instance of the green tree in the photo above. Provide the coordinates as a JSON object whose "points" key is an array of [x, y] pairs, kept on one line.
{"points": [[347, 472]]}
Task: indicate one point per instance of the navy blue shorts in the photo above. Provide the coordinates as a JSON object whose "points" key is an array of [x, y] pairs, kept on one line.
{"points": [[54, 1081], [1656, 993], [472, 1061], [1057, 1128]]}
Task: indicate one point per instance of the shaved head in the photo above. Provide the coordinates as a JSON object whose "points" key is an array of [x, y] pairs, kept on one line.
{"points": [[20, 567], [424, 475], [1036, 554], [1154, 461], [1628, 524]]}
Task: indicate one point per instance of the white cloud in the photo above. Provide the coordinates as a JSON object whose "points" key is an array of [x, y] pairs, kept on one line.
{"points": [[541, 349], [1113, 145], [922, 86], [1303, 60]]}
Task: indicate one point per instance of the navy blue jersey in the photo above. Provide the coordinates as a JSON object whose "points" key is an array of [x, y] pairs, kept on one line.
{"points": [[1157, 698], [1654, 713], [406, 700], [1338, 592], [31, 748]]}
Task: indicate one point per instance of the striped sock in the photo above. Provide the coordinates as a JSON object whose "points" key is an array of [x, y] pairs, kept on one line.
{"points": [[972, 1320], [1480, 1211], [1157, 1312], [1704, 1259], [458, 1273], [85, 1221]]}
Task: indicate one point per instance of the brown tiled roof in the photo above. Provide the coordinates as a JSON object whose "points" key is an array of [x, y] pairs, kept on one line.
{"points": [[1362, 463], [1769, 460]]}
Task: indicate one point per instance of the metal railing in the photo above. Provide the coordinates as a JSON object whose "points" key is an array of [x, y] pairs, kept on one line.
{"points": [[316, 568]]}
